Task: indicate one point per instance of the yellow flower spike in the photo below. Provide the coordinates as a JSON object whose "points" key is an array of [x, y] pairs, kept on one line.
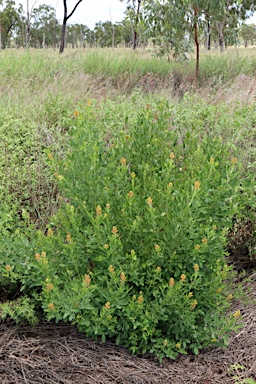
{"points": [[183, 277], [114, 230], [133, 175], [76, 113], [50, 156], [37, 256], [157, 247], [196, 267], [197, 185], [172, 155], [197, 247], [158, 269], [51, 306], [127, 137], [87, 280], [171, 282], [140, 299], [204, 240], [214, 227], [68, 238], [230, 296], [89, 103], [165, 343], [194, 304], [214, 340], [49, 287], [123, 161], [233, 160], [8, 268], [219, 290], [178, 345], [149, 201], [111, 269], [130, 194], [106, 246], [107, 305], [107, 206], [122, 277], [49, 232], [98, 210], [170, 185], [109, 317], [43, 254], [190, 294], [211, 160], [237, 314]]}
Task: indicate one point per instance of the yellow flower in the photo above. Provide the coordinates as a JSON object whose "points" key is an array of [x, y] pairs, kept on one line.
{"points": [[98, 210], [50, 156], [178, 345], [55, 174], [122, 277], [133, 175], [219, 290], [130, 194], [89, 103], [197, 185], [140, 299], [149, 200], [76, 114], [8, 268], [237, 314], [204, 240], [214, 340], [106, 246], [196, 267], [214, 227], [233, 160], [211, 160], [109, 317], [123, 161], [171, 282], [37, 256], [49, 287], [165, 343], [190, 294], [111, 269], [127, 137], [158, 269], [87, 280], [157, 247], [197, 247], [51, 306], [43, 254], [230, 296], [49, 232], [107, 305], [172, 155], [107, 206], [170, 185], [114, 230], [194, 304], [183, 277], [68, 238]]}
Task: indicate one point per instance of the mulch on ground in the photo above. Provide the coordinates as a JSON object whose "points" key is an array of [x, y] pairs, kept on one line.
{"points": [[58, 354]]}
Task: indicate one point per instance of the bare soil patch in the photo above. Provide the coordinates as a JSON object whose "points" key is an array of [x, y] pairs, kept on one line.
{"points": [[58, 354]]}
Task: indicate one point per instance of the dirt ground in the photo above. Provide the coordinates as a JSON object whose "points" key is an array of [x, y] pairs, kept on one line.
{"points": [[58, 354]]}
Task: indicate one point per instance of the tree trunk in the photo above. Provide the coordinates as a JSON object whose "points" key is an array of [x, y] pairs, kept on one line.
{"points": [[64, 25], [208, 35], [197, 45]]}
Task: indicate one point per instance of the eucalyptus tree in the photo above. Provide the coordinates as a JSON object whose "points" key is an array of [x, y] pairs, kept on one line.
{"points": [[10, 18], [175, 22], [133, 13], [64, 24], [44, 26]]}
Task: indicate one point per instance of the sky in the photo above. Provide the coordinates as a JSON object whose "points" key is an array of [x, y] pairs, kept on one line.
{"points": [[88, 12]]}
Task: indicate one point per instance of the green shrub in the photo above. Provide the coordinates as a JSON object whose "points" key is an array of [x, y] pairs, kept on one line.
{"points": [[137, 250]]}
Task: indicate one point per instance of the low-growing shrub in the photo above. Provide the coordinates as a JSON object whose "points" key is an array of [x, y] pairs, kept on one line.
{"points": [[137, 250]]}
